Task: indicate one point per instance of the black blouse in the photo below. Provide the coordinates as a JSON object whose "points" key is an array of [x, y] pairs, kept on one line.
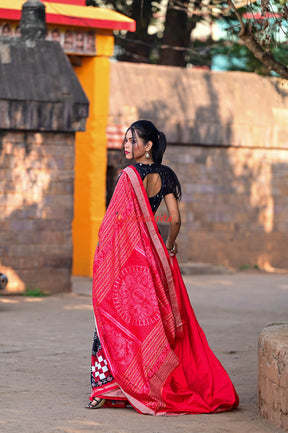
{"points": [[169, 182]]}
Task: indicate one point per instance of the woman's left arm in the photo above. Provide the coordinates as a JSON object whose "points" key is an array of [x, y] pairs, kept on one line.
{"points": [[174, 222]]}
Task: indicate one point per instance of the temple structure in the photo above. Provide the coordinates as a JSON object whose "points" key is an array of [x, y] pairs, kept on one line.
{"points": [[86, 35]]}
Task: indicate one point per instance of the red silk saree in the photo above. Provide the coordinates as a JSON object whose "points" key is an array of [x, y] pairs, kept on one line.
{"points": [[154, 347]]}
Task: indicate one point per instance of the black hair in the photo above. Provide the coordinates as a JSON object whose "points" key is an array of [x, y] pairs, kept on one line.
{"points": [[147, 131]]}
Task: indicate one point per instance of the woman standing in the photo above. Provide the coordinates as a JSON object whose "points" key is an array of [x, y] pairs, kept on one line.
{"points": [[149, 350]]}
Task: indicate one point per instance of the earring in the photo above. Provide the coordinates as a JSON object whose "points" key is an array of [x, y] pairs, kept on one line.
{"points": [[147, 155]]}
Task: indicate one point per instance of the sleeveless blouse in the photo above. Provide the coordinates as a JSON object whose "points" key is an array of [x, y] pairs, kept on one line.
{"points": [[169, 182]]}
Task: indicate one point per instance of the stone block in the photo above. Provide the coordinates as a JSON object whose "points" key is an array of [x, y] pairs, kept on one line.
{"points": [[284, 422], [269, 369], [284, 378], [272, 374], [48, 280]]}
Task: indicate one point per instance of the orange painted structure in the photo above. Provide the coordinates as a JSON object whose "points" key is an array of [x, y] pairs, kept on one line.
{"points": [[86, 35]]}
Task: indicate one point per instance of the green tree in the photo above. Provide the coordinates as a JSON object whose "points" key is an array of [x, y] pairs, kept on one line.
{"points": [[252, 28], [258, 32], [135, 46]]}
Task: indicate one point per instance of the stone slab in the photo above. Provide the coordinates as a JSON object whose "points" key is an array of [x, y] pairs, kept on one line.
{"points": [[272, 373]]}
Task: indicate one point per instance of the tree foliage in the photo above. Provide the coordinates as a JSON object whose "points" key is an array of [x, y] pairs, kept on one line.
{"points": [[255, 32], [258, 32]]}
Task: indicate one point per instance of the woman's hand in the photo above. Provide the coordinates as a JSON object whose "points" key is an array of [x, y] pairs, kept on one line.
{"points": [[173, 250]]}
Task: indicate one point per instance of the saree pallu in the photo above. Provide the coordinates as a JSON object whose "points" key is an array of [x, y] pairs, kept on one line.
{"points": [[152, 343]]}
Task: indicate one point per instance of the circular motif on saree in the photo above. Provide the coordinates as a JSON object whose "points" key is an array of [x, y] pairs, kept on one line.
{"points": [[134, 296]]}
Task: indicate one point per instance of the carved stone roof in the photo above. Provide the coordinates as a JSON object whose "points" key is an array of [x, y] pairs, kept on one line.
{"points": [[39, 89]]}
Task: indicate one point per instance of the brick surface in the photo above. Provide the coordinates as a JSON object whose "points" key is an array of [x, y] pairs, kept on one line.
{"points": [[234, 209], [36, 210]]}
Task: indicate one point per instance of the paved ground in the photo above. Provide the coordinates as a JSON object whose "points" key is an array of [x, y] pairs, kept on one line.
{"points": [[45, 356]]}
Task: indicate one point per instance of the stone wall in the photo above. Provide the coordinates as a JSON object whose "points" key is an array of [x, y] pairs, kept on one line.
{"points": [[42, 105], [234, 206], [227, 141], [36, 209], [203, 108]]}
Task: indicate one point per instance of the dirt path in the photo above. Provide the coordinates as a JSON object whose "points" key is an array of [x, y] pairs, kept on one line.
{"points": [[45, 358]]}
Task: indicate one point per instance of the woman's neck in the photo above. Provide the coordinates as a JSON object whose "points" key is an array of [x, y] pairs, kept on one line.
{"points": [[145, 161]]}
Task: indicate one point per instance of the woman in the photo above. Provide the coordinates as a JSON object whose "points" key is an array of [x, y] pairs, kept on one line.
{"points": [[153, 354]]}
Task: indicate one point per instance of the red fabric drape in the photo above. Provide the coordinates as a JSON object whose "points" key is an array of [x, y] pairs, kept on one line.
{"points": [[155, 348]]}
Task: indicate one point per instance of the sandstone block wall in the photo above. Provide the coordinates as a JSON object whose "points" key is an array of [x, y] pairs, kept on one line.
{"points": [[36, 209], [227, 141], [234, 206], [273, 374]]}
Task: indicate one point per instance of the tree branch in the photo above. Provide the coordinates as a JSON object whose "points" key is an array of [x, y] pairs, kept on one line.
{"points": [[250, 42], [266, 58], [239, 17]]}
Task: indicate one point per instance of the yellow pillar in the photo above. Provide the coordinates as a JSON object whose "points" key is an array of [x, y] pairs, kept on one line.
{"points": [[90, 156]]}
